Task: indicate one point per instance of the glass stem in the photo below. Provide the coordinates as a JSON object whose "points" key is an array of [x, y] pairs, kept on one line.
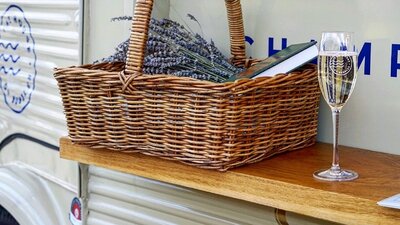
{"points": [[335, 159]]}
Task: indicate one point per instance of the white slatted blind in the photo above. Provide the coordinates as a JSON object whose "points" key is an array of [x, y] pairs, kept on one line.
{"points": [[120, 199]]}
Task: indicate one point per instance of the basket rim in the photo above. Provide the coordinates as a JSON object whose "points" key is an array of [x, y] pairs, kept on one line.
{"points": [[98, 72]]}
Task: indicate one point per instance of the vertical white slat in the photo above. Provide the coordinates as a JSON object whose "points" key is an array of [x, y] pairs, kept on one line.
{"points": [[119, 198], [54, 30], [138, 200], [53, 41]]}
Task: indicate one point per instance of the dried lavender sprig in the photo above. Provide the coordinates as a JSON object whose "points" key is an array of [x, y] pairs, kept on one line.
{"points": [[166, 62], [119, 55], [169, 24], [120, 18], [191, 17], [179, 35], [187, 52], [175, 49], [185, 34], [187, 63], [210, 75], [183, 63], [202, 59], [197, 40]]}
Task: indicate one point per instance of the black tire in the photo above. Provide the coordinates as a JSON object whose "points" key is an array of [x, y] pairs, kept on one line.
{"points": [[6, 218]]}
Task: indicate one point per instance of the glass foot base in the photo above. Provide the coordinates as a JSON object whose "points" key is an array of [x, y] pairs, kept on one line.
{"points": [[335, 175]]}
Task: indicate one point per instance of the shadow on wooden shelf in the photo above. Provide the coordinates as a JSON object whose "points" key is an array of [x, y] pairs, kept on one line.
{"points": [[284, 181]]}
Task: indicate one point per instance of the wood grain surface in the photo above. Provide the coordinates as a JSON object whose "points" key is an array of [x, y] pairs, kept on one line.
{"points": [[284, 181]]}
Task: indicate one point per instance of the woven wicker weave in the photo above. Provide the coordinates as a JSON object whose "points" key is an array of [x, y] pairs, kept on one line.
{"points": [[205, 124]]}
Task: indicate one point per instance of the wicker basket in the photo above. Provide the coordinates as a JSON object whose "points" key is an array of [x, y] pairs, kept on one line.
{"points": [[205, 124]]}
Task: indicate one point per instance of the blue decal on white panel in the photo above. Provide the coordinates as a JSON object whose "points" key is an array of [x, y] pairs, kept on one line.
{"points": [[8, 57], [271, 49], [365, 56], [394, 65], [249, 40], [17, 59]]}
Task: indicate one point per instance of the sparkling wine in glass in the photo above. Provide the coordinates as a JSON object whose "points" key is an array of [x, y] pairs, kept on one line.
{"points": [[337, 75]]}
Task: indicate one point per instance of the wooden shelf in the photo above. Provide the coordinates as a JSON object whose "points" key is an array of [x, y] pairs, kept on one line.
{"points": [[283, 182]]}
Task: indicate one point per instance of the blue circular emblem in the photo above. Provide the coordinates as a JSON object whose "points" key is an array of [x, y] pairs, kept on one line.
{"points": [[17, 59]]}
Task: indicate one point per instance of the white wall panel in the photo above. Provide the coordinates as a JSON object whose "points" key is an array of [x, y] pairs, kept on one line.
{"points": [[118, 198], [31, 197], [50, 29], [141, 201]]}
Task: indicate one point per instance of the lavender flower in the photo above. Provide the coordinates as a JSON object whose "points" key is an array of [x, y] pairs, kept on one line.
{"points": [[120, 18], [191, 17], [172, 49]]}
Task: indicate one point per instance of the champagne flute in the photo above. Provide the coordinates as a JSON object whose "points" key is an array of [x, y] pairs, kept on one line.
{"points": [[337, 75]]}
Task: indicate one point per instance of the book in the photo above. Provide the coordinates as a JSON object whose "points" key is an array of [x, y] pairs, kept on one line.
{"points": [[283, 61]]}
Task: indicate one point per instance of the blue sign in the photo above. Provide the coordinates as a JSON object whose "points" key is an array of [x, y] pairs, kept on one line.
{"points": [[17, 59]]}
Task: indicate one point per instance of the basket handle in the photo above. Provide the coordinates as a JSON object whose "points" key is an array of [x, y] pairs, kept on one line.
{"points": [[140, 27]]}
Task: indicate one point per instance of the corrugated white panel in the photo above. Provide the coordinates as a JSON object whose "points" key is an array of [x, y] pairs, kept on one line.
{"points": [[119, 199], [54, 39], [31, 197], [123, 197], [35, 37]]}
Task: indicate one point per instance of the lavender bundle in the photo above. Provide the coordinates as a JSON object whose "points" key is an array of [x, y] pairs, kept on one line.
{"points": [[172, 49]]}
